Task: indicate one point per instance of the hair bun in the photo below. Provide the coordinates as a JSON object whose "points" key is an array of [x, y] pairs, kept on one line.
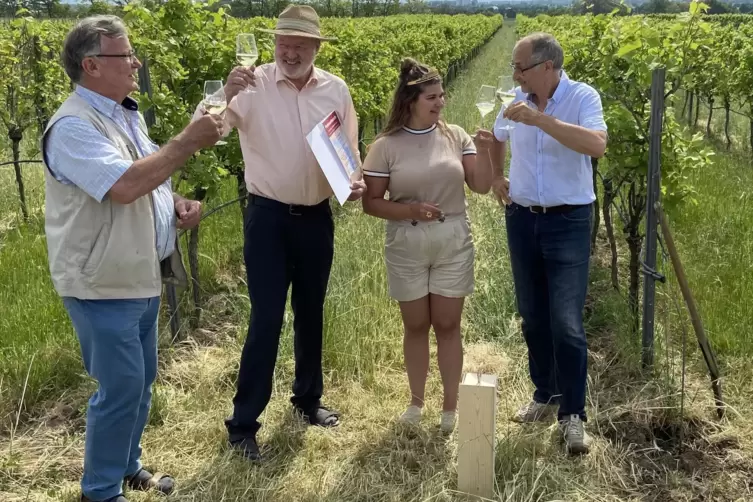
{"points": [[407, 66]]}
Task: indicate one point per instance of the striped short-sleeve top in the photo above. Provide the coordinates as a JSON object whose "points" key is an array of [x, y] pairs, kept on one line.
{"points": [[423, 166]]}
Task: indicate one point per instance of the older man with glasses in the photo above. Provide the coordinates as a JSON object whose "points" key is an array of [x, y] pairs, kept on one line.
{"points": [[110, 222], [558, 126]]}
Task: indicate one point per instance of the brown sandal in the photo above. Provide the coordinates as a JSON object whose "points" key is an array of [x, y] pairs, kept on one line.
{"points": [[144, 480]]}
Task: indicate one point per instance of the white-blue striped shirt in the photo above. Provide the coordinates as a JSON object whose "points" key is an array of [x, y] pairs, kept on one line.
{"points": [[77, 153], [544, 172]]}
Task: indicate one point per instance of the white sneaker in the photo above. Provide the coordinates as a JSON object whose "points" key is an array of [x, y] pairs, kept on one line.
{"points": [[577, 441], [412, 415], [447, 424], [536, 412]]}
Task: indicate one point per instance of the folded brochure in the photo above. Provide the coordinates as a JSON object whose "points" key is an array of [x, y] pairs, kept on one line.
{"points": [[334, 154]]}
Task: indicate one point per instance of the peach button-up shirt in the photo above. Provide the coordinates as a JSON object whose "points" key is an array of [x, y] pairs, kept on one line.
{"points": [[272, 126]]}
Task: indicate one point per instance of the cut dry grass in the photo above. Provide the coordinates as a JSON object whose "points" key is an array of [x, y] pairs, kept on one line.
{"points": [[644, 450], [636, 453]]}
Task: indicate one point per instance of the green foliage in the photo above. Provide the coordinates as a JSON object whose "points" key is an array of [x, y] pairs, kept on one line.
{"points": [[617, 56], [716, 19], [600, 7], [33, 82], [186, 43]]}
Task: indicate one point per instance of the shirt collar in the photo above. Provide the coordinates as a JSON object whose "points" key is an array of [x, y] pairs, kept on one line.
{"points": [[420, 131], [559, 93], [104, 104], [313, 79]]}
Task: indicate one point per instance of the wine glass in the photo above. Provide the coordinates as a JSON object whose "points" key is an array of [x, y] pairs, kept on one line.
{"points": [[506, 95], [246, 52], [485, 101], [505, 90], [215, 101]]}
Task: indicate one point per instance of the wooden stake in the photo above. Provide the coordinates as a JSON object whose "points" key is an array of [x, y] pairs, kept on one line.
{"points": [[476, 420], [695, 317]]}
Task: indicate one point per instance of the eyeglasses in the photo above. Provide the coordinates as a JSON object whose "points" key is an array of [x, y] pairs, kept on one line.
{"points": [[130, 56], [522, 70]]}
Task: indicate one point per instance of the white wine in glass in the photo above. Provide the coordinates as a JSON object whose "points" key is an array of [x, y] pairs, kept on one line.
{"points": [[505, 91], [506, 95], [246, 52], [485, 102], [215, 109], [215, 101]]}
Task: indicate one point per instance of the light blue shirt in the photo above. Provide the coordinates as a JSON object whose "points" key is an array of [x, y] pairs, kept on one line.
{"points": [[78, 154], [543, 172]]}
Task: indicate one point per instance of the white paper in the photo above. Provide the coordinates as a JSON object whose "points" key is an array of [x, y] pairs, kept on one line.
{"points": [[337, 167]]}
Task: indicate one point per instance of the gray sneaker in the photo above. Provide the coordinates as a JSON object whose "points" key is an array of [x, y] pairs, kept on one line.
{"points": [[577, 441], [536, 412]]}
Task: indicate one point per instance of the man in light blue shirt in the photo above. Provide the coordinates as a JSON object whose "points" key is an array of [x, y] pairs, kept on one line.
{"points": [[558, 126], [110, 226], [74, 143]]}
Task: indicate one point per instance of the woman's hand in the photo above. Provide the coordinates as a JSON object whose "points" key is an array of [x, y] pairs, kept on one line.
{"points": [[425, 211], [484, 140]]}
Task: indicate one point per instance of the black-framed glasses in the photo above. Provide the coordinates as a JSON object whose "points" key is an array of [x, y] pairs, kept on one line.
{"points": [[523, 70], [130, 56]]}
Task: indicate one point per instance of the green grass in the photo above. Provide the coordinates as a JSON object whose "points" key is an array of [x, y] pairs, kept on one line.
{"points": [[633, 415], [38, 349], [714, 237], [739, 124], [714, 241]]}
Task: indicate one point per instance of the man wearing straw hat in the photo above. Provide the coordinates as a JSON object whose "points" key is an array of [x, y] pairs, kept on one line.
{"points": [[289, 231]]}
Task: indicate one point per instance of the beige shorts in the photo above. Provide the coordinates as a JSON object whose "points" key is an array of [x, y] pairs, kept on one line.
{"points": [[431, 257]]}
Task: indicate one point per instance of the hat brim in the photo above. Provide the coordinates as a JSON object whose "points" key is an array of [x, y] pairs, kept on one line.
{"points": [[296, 33]]}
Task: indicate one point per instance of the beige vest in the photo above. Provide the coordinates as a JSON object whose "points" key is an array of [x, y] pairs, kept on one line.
{"points": [[102, 250]]}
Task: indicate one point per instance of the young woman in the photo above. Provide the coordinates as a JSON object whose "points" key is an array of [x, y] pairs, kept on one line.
{"points": [[425, 163]]}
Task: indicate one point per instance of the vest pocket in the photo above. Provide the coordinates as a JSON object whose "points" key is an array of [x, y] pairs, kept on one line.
{"points": [[98, 250]]}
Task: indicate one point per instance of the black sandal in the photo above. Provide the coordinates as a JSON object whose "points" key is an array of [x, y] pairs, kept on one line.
{"points": [[324, 417], [144, 480]]}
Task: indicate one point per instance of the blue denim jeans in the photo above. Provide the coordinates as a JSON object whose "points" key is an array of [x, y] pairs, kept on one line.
{"points": [[119, 349], [550, 255]]}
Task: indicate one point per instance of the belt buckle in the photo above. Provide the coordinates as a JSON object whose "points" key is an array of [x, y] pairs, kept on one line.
{"points": [[543, 210], [292, 210]]}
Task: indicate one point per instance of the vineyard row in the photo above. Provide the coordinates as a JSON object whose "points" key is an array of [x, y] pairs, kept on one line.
{"points": [[617, 55], [715, 65], [183, 43], [186, 44]]}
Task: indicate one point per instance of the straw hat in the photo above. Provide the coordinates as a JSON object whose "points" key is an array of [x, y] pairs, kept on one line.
{"points": [[298, 21]]}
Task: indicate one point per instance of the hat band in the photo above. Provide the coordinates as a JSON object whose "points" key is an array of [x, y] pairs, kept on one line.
{"points": [[297, 25]]}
